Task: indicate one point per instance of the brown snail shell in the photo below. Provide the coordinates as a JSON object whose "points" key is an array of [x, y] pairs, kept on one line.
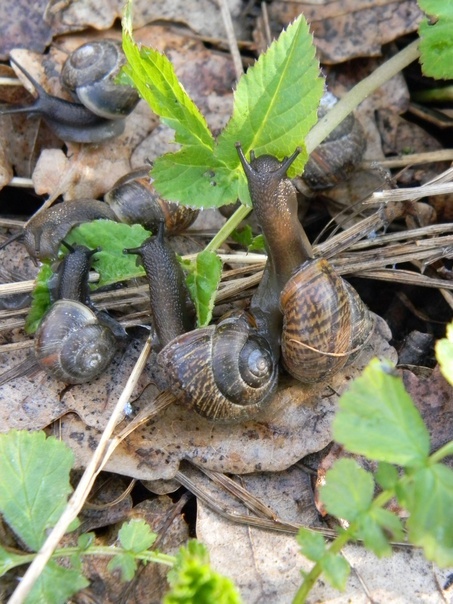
{"points": [[325, 323], [71, 345], [226, 372], [89, 73], [135, 201], [335, 159]]}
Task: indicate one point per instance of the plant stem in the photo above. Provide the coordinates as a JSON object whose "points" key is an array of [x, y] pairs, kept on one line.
{"points": [[329, 122], [316, 571], [442, 452]]}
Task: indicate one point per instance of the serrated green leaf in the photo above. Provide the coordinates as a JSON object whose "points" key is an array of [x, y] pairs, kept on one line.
{"points": [[155, 79], [126, 563], [203, 281], [444, 354], [436, 48], [56, 585], [111, 263], [40, 298], [377, 418], [245, 237], [34, 483], [193, 580], [373, 536], [136, 536], [386, 475], [336, 570], [312, 545], [429, 499], [348, 491], [276, 102]]}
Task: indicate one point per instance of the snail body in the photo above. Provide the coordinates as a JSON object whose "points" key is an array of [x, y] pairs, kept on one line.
{"points": [[71, 345], [171, 305], [45, 231], [135, 201], [80, 122], [225, 372], [70, 281]]}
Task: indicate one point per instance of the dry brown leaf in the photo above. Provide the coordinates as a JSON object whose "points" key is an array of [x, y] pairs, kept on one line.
{"points": [[346, 29], [202, 16], [22, 24], [295, 423]]}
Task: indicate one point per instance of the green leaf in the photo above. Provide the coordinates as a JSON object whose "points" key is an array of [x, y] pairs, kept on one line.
{"points": [[56, 585], [336, 570], [85, 541], [276, 102], [136, 536], [9, 560], [203, 281], [112, 237], [373, 536], [126, 563], [437, 7], [193, 580], [378, 419], [246, 238], [312, 545], [34, 483], [436, 48], [40, 299], [348, 491], [444, 354], [429, 499], [154, 77], [386, 475]]}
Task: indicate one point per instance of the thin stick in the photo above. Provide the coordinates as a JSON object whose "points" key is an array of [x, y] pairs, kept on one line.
{"points": [[231, 37], [79, 496]]}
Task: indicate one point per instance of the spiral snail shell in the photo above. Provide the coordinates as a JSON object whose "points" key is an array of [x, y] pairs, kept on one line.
{"points": [[134, 200], [335, 159], [226, 372], [89, 73], [71, 345], [102, 118]]}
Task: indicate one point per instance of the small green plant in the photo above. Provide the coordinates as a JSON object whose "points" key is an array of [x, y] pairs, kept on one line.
{"points": [[436, 47], [34, 487], [378, 419]]}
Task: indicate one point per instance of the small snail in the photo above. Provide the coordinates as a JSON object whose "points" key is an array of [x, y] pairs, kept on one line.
{"points": [[74, 342], [171, 305], [134, 200], [45, 230], [78, 122], [325, 323], [337, 156], [71, 345]]}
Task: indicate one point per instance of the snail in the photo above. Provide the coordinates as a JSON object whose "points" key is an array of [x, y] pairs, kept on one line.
{"points": [[337, 156], [74, 342], [45, 230], [71, 345], [225, 372], [95, 117], [325, 323], [134, 200], [172, 307]]}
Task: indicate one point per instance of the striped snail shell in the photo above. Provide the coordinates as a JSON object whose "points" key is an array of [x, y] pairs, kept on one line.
{"points": [[226, 372], [71, 345], [134, 200], [325, 323]]}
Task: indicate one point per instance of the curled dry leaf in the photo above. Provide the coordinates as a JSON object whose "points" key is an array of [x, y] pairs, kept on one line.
{"points": [[296, 422]]}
